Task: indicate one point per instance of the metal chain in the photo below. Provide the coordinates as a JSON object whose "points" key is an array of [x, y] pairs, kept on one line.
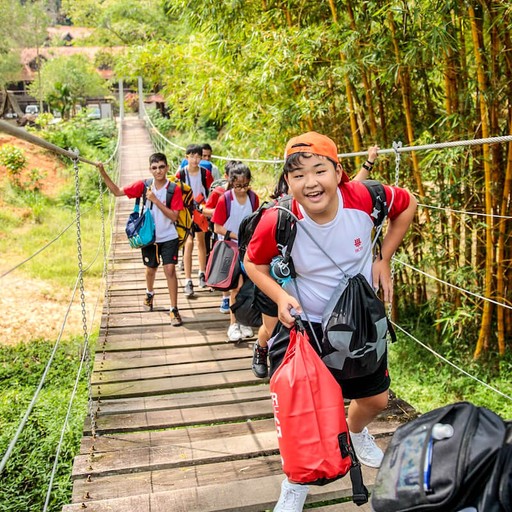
{"points": [[396, 148], [81, 285]]}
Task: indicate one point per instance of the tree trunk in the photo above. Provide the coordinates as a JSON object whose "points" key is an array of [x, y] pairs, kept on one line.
{"points": [[485, 326]]}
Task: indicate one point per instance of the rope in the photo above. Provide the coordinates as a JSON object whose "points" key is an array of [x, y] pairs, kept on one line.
{"points": [[68, 412], [29, 137], [452, 285], [23, 422], [452, 364], [393, 150], [450, 210], [42, 248]]}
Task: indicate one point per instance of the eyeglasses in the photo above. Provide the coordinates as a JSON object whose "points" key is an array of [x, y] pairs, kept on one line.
{"points": [[239, 186], [158, 168]]}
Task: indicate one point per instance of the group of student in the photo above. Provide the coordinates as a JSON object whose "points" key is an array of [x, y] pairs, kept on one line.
{"points": [[333, 210]]}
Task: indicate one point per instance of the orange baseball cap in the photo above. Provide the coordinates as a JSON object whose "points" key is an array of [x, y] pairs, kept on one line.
{"points": [[315, 143]]}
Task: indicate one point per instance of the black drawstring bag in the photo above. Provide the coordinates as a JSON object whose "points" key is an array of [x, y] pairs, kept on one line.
{"points": [[243, 308], [355, 328]]}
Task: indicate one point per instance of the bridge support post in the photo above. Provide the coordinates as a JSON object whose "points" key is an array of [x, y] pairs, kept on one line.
{"points": [[141, 99], [121, 100]]}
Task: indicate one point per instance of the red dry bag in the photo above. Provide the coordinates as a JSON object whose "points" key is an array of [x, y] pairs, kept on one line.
{"points": [[309, 412]]}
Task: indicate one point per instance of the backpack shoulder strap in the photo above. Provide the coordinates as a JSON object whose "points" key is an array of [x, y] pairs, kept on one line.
{"points": [[252, 198], [228, 198], [171, 187], [147, 184], [379, 202], [286, 229], [203, 180]]}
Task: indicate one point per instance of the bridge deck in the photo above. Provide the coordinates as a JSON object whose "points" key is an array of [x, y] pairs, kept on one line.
{"points": [[182, 424]]}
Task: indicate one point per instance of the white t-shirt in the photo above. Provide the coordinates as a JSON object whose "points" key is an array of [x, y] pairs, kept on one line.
{"points": [[344, 239], [164, 227], [238, 213]]}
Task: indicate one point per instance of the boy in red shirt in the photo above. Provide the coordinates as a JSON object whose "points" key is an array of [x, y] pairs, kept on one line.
{"points": [[165, 247], [337, 213]]}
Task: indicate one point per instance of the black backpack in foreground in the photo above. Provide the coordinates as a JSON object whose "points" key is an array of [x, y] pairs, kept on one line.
{"points": [[444, 461]]}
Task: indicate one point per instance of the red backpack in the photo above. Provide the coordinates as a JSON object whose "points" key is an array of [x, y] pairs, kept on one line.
{"points": [[309, 412]]}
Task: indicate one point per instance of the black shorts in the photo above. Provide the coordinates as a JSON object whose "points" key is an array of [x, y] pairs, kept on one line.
{"points": [[360, 387], [264, 304], [166, 252]]}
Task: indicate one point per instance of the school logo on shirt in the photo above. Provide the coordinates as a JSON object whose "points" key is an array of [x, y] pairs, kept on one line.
{"points": [[358, 244]]}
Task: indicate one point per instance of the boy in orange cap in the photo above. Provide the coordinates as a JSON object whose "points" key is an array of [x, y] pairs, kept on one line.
{"points": [[337, 213]]}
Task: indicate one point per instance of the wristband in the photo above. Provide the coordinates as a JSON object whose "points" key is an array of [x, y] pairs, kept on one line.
{"points": [[227, 236], [367, 167]]}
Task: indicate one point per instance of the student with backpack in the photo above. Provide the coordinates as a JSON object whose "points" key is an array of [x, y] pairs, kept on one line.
{"points": [[165, 249], [333, 238], [233, 206], [268, 308], [199, 179], [217, 189], [207, 157]]}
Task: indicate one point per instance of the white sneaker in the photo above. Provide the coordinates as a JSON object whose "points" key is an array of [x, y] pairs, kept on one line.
{"points": [[292, 497], [246, 331], [366, 450], [234, 333]]}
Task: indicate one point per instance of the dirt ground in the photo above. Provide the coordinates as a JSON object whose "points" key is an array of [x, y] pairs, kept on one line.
{"points": [[32, 308]]}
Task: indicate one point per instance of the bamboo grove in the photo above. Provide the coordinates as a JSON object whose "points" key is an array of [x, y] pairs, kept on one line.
{"points": [[369, 72]]}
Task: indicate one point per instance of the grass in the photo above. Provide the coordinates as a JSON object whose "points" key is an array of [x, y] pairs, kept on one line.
{"points": [[426, 382], [26, 477]]}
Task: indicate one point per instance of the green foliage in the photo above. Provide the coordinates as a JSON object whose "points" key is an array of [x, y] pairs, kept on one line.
{"points": [[14, 160], [26, 477], [426, 382]]}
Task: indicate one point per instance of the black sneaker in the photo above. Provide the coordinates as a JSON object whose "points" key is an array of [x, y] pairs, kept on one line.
{"points": [[148, 301], [259, 361], [202, 280], [176, 320]]}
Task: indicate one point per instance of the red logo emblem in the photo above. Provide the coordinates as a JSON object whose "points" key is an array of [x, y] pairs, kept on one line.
{"points": [[357, 243]]}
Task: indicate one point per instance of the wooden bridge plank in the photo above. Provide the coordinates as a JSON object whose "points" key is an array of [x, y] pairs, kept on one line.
{"points": [[175, 370], [227, 496], [147, 438], [175, 356], [174, 384]]}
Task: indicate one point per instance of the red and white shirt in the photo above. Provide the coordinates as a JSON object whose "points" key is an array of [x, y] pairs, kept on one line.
{"points": [[164, 227], [346, 239]]}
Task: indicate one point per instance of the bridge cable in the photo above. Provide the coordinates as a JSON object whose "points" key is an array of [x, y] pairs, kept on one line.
{"points": [[450, 363], [465, 212], [481, 297]]}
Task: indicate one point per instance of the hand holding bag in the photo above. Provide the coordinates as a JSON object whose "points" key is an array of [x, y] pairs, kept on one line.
{"points": [[309, 413]]}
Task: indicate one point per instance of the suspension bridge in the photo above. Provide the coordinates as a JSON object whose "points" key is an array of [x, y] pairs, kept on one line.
{"points": [[177, 421]]}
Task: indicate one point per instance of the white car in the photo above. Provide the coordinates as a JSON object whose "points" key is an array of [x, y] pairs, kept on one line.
{"points": [[32, 110]]}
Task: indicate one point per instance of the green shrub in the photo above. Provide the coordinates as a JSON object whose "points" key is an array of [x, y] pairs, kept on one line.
{"points": [[26, 476], [14, 160]]}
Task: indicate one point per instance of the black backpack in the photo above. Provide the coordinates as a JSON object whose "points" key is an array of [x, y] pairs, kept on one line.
{"points": [[443, 460]]}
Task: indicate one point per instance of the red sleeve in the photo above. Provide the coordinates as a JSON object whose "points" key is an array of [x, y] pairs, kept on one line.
{"points": [[134, 190], [356, 195], [214, 197], [263, 247], [400, 202], [220, 215], [177, 199], [209, 180]]}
